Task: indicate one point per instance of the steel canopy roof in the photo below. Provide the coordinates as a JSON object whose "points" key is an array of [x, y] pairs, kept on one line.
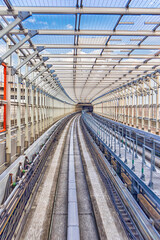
{"points": [[93, 46]]}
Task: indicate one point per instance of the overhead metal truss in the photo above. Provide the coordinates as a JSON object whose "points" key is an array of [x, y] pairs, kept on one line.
{"points": [[91, 57]]}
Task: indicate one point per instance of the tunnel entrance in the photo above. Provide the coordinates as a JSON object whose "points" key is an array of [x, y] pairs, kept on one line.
{"points": [[84, 106]]}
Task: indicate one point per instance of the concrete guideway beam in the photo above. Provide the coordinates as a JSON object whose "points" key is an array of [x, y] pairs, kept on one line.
{"points": [[31, 33], [21, 16], [44, 59], [27, 59], [85, 10]]}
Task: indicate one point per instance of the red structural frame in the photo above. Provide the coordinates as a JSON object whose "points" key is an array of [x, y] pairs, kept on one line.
{"points": [[4, 98]]}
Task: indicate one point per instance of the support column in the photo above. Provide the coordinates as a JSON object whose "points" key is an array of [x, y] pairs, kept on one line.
{"points": [[8, 109], [32, 115], [149, 107], [137, 120], [8, 117], [40, 113], [157, 106], [143, 106], [37, 117], [26, 141], [132, 108], [116, 119], [129, 104], [19, 117]]}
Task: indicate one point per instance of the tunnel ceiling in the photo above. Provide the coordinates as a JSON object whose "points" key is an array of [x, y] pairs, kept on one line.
{"points": [[93, 46]]}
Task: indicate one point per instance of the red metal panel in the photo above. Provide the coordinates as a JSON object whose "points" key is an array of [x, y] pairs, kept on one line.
{"points": [[5, 82]]}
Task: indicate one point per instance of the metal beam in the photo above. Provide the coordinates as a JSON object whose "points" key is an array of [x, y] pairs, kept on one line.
{"points": [[118, 56], [28, 58], [39, 74], [45, 77], [63, 63], [31, 33], [85, 10], [89, 32], [92, 46], [21, 16], [35, 67], [104, 70]]}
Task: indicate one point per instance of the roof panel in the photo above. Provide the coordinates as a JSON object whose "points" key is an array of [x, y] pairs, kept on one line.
{"points": [[44, 21], [102, 3], [99, 22], [138, 22], [44, 3], [145, 3], [50, 39]]}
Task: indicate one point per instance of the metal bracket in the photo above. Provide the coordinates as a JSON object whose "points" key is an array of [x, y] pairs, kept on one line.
{"points": [[13, 71], [21, 17], [49, 65], [27, 84], [31, 33], [45, 59], [24, 15], [40, 48], [27, 59], [20, 80], [32, 69]]}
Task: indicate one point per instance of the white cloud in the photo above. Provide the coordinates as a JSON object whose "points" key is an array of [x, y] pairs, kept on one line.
{"points": [[69, 26], [41, 22], [31, 20]]}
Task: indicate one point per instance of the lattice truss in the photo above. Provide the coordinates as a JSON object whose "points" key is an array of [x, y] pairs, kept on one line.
{"points": [[79, 50]]}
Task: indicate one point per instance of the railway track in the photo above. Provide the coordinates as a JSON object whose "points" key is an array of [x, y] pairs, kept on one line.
{"points": [[128, 223], [69, 222], [133, 133], [73, 202]]}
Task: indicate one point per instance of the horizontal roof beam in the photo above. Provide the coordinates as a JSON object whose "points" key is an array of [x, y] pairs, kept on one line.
{"points": [[91, 46], [64, 70], [89, 32], [114, 77], [63, 63], [85, 10], [118, 56]]}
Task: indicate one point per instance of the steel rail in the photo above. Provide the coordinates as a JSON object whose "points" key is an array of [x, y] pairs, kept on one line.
{"points": [[143, 223], [13, 208]]}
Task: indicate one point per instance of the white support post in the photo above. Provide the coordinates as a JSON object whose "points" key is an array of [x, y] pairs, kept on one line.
{"points": [[8, 110], [132, 108], [44, 114], [36, 111], [18, 151], [40, 113], [26, 141], [8, 117], [128, 106], [19, 117], [157, 106], [143, 106], [32, 115], [137, 120], [149, 109]]}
